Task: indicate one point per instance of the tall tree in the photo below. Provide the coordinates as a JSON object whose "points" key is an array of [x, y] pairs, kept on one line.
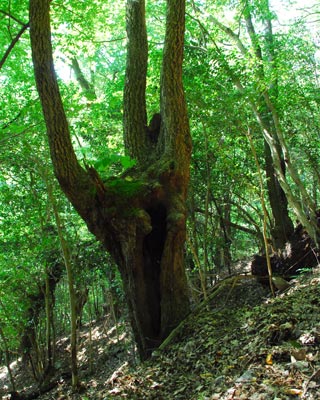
{"points": [[139, 217], [282, 226]]}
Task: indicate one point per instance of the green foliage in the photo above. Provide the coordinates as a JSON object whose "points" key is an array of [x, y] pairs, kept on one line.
{"points": [[105, 164], [223, 191]]}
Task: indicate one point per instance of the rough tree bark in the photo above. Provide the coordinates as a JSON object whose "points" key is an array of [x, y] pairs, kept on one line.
{"points": [[140, 221]]}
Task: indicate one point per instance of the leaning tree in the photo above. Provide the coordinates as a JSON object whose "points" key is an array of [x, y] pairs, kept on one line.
{"points": [[140, 216]]}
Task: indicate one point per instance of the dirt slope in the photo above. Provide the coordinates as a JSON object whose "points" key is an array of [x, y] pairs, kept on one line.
{"points": [[242, 344]]}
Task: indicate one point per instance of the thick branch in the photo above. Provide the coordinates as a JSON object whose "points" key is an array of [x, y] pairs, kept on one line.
{"points": [[233, 36], [73, 179], [253, 37], [173, 104], [86, 86], [134, 112]]}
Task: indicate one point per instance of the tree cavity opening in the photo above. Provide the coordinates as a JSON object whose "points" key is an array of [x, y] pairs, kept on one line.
{"points": [[153, 246]]}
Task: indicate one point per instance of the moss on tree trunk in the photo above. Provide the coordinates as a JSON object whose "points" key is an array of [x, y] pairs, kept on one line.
{"points": [[140, 221]]}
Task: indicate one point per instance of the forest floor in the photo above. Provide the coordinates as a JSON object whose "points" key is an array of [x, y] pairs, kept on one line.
{"points": [[241, 344]]}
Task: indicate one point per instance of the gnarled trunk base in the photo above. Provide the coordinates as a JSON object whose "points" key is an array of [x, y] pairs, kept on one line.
{"points": [[150, 257], [299, 253]]}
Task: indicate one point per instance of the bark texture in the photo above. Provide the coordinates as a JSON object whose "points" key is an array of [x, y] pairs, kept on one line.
{"points": [[140, 221], [282, 226]]}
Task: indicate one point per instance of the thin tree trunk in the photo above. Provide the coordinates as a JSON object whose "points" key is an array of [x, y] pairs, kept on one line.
{"points": [[264, 209], [48, 309], [282, 226], [7, 359], [72, 296], [293, 201]]}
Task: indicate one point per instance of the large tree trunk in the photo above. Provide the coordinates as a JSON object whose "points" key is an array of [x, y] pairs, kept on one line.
{"points": [[141, 220], [282, 226]]}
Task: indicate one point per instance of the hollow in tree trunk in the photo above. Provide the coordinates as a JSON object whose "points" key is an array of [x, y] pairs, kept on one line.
{"points": [[141, 220]]}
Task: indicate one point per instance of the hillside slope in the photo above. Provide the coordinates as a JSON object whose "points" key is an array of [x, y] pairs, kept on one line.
{"points": [[242, 344]]}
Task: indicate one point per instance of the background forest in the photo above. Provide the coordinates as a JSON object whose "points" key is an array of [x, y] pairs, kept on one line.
{"points": [[251, 80]]}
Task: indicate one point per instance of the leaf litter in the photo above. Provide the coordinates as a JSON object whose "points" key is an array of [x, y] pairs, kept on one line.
{"points": [[242, 344]]}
